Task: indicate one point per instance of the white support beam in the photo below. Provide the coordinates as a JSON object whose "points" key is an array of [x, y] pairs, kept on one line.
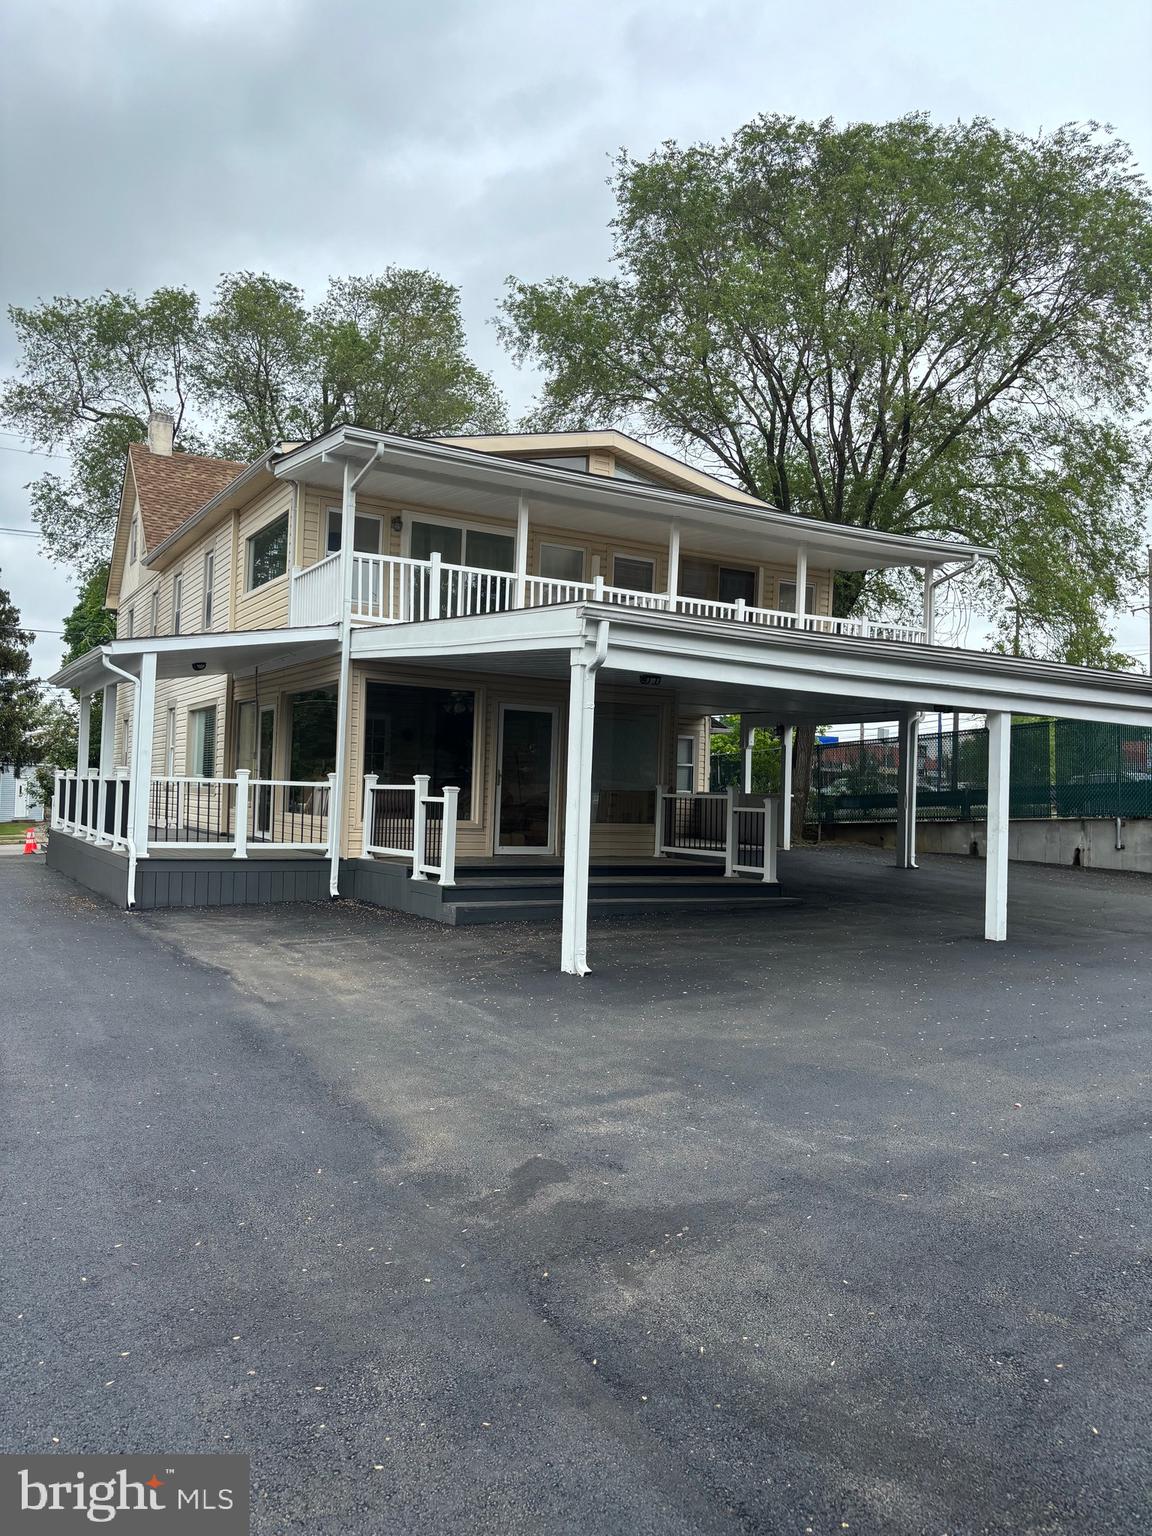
{"points": [[673, 560], [108, 732], [801, 585], [996, 866], [338, 793], [578, 803], [521, 549], [578, 817], [748, 747], [906, 793], [787, 747], [83, 734], [143, 722], [928, 603]]}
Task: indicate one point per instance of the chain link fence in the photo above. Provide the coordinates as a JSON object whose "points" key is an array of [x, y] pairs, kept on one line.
{"points": [[1060, 768]]}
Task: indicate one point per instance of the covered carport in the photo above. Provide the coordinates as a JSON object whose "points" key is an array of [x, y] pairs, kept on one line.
{"points": [[773, 677]]}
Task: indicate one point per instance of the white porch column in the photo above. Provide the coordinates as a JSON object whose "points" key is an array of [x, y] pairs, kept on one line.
{"points": [[83, 735], [336, 795], [928, 604], [578, 810], [108, 732], [521, 550], [673, 563], [906, 793], [801, 586], [747, 746], [787, 745], [996, 866], [141, 764]]}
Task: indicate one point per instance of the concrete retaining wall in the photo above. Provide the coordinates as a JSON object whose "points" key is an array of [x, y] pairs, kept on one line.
{"points": [[1089, 842]]}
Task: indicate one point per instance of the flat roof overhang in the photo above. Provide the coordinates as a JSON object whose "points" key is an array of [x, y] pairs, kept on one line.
{"points": [[235, 652], [466, 481], [722, 667]]}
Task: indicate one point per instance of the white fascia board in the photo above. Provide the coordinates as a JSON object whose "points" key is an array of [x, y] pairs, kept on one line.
{"points": [[556, 627], [545, 483]]}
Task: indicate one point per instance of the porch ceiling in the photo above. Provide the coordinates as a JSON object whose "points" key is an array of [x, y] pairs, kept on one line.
{"points": [[233, 651], [723, 667], [466, 482]]}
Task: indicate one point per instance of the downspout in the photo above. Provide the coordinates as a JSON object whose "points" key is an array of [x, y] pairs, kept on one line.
{"points": [[347, 538], [600, 655], [135, 681]]}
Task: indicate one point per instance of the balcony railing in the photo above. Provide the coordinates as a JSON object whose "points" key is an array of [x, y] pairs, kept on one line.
{"points": [[393, 589]]}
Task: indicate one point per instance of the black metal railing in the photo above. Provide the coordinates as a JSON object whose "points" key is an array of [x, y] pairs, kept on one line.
{"points": [[393, 818], [191, 811], [696, 823]]}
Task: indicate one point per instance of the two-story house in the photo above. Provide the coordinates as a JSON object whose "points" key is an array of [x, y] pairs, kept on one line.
{"points": [[471, 678]]}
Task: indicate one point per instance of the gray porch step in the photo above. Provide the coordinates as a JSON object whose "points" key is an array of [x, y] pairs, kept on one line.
{"points": [[546, 888], [462, 913]]}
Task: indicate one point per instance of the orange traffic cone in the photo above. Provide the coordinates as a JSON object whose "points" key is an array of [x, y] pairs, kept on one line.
{"points": [[30, 841]]}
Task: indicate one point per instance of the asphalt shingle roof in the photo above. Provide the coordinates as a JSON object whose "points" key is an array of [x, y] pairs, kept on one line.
{"points": [[171, 488]]}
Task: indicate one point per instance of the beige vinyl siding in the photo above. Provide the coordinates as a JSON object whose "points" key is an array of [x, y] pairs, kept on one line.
{"points": [[266, 607]]}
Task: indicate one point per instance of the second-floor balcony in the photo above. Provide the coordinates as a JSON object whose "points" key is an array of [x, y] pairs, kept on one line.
{"points": [[394, 589]]}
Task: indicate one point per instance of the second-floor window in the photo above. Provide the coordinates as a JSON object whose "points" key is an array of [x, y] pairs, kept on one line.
{"points": [[154, 612], [560, 562], [132, 544], [788, 597], [267, 552], [130, 624], [722, 583], [366, 536], [209, 584], [177, 602], [634, 574]]}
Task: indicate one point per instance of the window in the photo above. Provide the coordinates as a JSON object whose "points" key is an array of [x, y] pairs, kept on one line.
{"points": [[421, 730], [634, 574], [267, 553], [209, 584], [177, 602], [559, 562], [202, 742], [130, 624], [721, 583], [623, 471], [626, 764], [312, 735], [685, 764], [787, 597], [132, 544], [366, 537], [154, 612], [463, 546], [577, 461]]}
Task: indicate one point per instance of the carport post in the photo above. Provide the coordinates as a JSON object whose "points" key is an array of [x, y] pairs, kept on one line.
{"points": [[996, 864], [141, 764], [906, 793], [748, 743], [787, 747], [83, 734], [578, 803], [108, 732]]}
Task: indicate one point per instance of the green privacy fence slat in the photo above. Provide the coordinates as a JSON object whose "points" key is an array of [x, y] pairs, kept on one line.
{"points": [[1060, 768]]}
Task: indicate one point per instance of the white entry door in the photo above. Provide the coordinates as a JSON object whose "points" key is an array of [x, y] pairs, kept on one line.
{"points": [[526, 780]]}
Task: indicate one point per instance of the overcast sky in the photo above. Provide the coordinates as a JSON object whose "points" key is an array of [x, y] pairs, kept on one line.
{"points": [[146, 144]]}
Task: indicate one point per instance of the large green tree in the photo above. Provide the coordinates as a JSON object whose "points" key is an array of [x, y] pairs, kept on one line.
{"points": [[19, 695], [89, 624], [254, 366], [911, 327]]}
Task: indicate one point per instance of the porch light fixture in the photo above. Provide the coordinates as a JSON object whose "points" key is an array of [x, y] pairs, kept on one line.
{"points": [[397, 525], [198, 666], [651, 679]]}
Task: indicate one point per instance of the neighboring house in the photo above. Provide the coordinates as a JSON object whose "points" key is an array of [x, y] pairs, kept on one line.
{"points": [[19, 794], [367, 659]]}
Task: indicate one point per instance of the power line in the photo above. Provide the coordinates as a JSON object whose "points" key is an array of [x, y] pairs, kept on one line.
{"points": [[35, 453], [24, 533]]}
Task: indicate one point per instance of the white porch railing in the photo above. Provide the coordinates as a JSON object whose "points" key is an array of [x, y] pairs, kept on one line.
{"points": [[92, 807], [405, 821], [393, 589], [715, 826], [239, 813]]}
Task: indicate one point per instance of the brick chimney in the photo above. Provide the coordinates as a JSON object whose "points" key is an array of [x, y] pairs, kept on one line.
{"points": [[161, 429]]}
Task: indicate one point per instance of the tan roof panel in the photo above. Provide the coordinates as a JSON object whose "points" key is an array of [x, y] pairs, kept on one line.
{"points": [[172, 487]]}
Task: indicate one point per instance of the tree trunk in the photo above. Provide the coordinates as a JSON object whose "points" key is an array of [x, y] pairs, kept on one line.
{"points": [[803, 751]]}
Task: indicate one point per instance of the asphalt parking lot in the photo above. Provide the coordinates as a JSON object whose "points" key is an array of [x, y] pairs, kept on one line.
{"points": [[831, 1219]]}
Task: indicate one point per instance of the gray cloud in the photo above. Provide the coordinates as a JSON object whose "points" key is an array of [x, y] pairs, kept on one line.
{"points": [[143, 144]]}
